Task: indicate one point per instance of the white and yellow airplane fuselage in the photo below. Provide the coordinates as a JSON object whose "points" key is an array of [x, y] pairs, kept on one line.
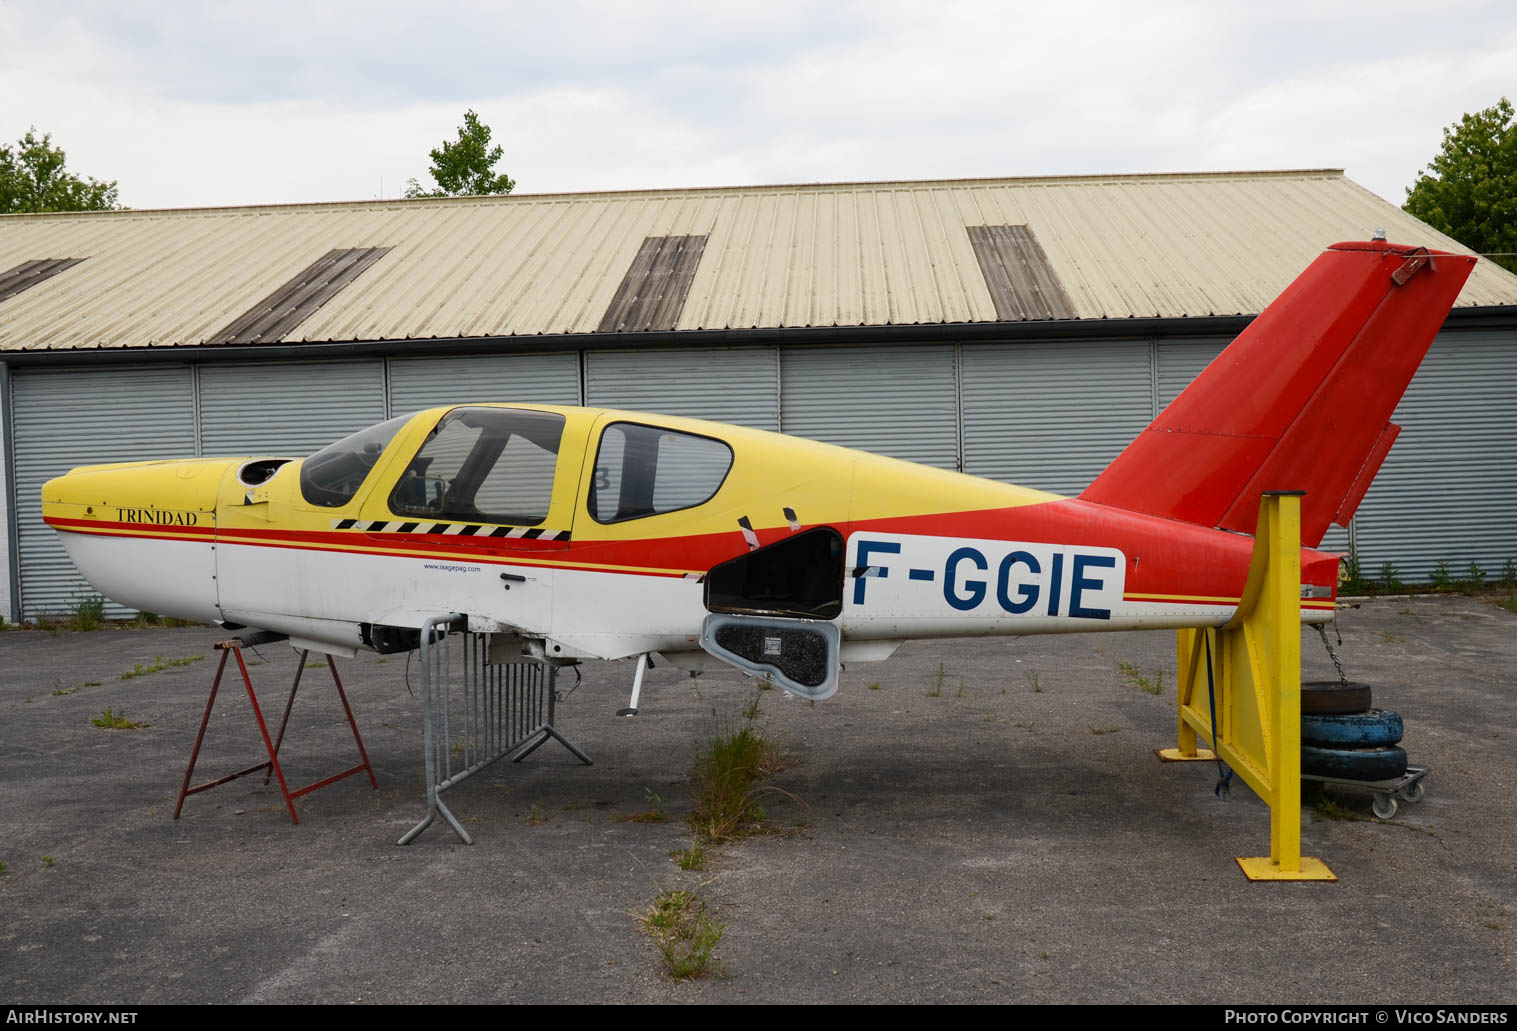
{"points": [[607, 534]]}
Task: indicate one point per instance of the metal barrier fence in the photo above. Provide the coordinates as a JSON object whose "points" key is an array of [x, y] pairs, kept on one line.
{"points": [[485, 713]]}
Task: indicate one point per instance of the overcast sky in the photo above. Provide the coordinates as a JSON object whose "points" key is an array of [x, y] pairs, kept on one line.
{"points": [[190, 104]]}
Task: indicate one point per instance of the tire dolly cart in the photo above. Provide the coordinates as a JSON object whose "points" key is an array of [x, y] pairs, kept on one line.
{"points": [[1407, 787]]}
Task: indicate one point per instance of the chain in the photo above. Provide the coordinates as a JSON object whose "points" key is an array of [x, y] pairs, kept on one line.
{"points": [[1322, 633]]}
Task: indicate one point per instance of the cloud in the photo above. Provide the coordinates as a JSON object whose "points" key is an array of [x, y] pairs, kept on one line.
{"points": [[207, 104]]}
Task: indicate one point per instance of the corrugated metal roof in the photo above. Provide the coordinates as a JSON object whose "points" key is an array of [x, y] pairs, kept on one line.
{"points": [[809, 255]]}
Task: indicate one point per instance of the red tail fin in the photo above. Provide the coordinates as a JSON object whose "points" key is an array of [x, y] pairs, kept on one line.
{"points": [[1300, 400]]}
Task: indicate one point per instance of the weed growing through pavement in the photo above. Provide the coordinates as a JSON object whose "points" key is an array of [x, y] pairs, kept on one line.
{"points": [[1032, 682], [89, 614], [692, 858], [1325, 807], [685, 935], [1155, 686], [159, 665], [725, 779], [937, 684], [653, 814], [112, 720]]}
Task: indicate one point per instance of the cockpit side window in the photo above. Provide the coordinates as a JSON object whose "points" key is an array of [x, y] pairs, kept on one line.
{"points": [[645, 470], [490, 465], [332, 476]]}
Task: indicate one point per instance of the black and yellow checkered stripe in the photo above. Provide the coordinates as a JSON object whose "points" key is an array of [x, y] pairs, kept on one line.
{"points": [[528, 533]]}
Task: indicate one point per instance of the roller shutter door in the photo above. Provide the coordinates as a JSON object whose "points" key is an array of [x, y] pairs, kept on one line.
{"points": [[66, 418], [417, 383], [1448, 490], [896, 401], [1180, 362], [1053, 415], [290, 408], [737, 385]]}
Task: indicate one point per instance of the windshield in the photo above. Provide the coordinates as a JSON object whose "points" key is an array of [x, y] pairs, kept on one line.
{"points": [[332, 476], [493, 465]]}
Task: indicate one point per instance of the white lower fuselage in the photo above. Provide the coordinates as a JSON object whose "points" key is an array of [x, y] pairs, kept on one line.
{"points": [[909, 587]]}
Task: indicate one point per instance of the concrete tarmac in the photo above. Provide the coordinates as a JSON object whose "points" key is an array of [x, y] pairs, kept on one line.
{"points": [[969, 821]]}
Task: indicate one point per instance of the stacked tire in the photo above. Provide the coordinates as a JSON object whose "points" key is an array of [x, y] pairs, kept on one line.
{"points": [[1342, 737]]}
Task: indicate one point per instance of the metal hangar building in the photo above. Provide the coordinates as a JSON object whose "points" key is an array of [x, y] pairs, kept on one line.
{"points": [[1018, 329]]}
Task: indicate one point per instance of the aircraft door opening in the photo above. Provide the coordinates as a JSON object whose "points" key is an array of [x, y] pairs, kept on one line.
{"points": [[771, 610]]}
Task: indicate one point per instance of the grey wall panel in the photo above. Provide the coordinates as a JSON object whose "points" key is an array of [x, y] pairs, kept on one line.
{"points": [[1053, 415], [1448, 489], [72, 417], [8, 553], [286, 408], [1180, 362], [551, 379], [896, 401], [1336, 539], [736, 385]]}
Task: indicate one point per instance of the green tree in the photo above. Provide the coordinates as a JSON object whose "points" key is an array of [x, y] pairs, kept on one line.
{"points": [[33, 178], [465, 167], [1471, 194]]}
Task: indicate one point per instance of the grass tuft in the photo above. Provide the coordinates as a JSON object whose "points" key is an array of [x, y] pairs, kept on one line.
{"points": [[685, 935], [159, 665], [112, 720], [725, 779], [1155, 686], [653, 814], [692, 858], [937, 684], [88, 614], [1325, 807]]}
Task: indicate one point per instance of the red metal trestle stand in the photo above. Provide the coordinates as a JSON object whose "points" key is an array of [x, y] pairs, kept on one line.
{"points": [[270, 767]]}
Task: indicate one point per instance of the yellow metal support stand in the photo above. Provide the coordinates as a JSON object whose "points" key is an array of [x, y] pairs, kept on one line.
{"points": [[1256, 670]]}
